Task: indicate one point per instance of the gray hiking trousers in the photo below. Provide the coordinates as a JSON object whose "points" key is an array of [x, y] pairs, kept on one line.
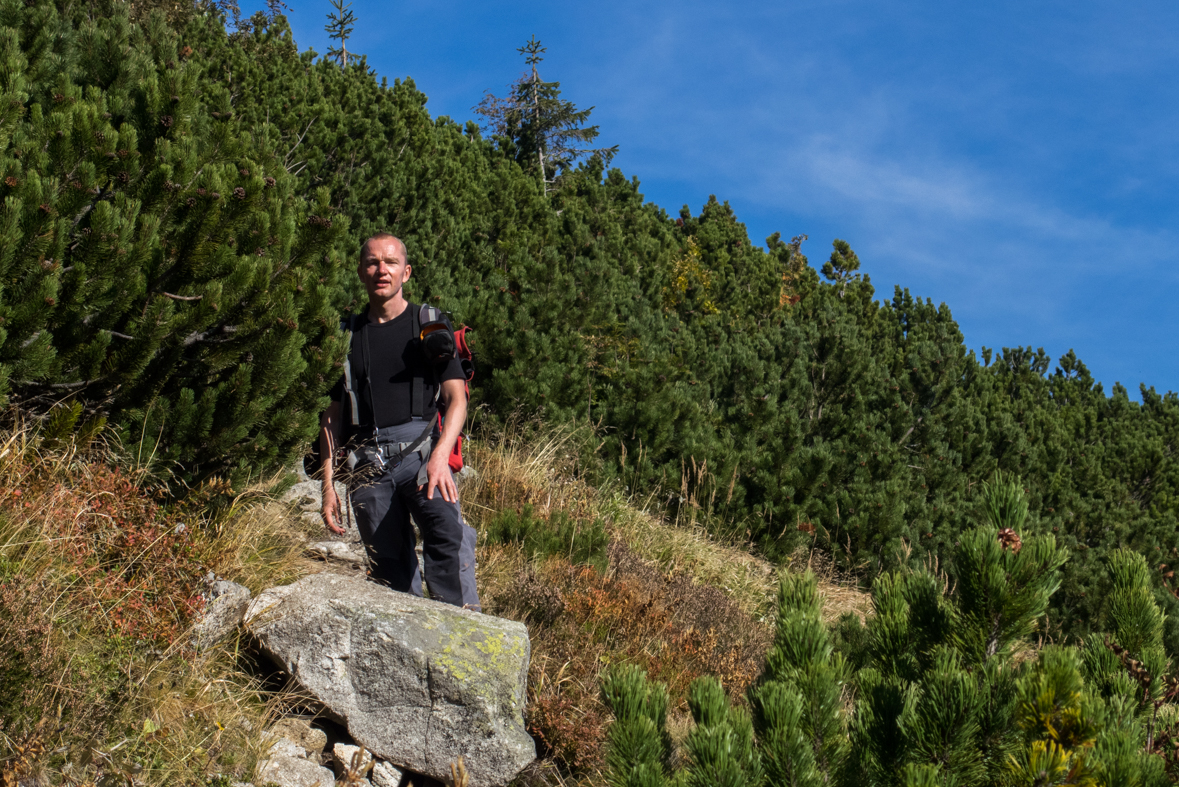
{"points": [[384, 503]]}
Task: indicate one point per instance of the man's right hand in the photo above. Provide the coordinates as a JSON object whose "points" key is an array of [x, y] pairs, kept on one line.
{"points": [[331, 509]]}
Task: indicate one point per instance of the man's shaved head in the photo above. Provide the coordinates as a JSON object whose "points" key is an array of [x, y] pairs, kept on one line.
{"points": [[386, 236]]}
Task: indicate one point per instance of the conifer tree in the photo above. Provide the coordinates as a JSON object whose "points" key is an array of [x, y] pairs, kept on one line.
{"points": [[842, 265], [341, 21], [721, 744], [1061, 722], [163, 273], [537, 126], [638, 749], [797, 703]]}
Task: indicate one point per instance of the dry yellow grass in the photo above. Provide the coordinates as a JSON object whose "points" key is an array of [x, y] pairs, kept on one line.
{"points": [[512, 471], [262, 543], [164, 715]]}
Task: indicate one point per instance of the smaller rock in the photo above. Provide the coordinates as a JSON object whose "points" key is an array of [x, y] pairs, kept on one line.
{"points": [[301, 733], [284, 747], [468, 473], [225, 605], [287, 771], [307, 495], [346, 756], [386, 775], [339, 551]]}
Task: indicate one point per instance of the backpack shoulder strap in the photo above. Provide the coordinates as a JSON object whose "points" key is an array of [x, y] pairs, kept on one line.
{"points": [[417, 394], [463, 351], [348, 326]]}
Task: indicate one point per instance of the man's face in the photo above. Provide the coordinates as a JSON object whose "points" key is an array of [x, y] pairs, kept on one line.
{"points": [[383, 269]]}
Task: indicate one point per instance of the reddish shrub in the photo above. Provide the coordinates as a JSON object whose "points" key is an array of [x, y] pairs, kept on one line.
{"points": [[581, 620], [135, 569]]}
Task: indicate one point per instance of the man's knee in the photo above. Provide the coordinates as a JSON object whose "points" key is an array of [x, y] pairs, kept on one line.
{"points": [[440, 522], [467, 570]]}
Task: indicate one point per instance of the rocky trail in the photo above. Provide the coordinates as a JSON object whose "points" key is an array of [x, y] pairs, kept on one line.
{"points": [[402, 689]]}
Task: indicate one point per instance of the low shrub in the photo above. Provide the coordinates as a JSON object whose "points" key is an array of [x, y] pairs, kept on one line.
{"points": [[945, 693], [101, 578], [136, 564], [581, 620], [558, 534]]}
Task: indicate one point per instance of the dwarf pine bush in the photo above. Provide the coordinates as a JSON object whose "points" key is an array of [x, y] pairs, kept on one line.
{"points": [[156, 267], [947, 694]]}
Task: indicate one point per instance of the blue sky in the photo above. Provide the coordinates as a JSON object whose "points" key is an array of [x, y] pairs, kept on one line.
{"points": [[1017, 161]]}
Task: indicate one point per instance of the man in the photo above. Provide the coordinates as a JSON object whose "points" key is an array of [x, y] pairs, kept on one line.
{"points": [[400, 461]]}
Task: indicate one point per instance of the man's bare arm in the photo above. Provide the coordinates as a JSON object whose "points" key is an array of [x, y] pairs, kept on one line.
{"points": [[454, 396], [329, 438]]}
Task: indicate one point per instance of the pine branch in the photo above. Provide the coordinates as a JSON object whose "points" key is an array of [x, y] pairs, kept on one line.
{"points": [[287, 158], [57, 386], [205, 336]]}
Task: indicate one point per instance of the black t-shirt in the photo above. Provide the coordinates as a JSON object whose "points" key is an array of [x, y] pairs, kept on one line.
{"points": [[396, 359]]}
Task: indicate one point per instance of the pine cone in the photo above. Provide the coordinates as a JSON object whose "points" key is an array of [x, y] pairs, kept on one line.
{"points": [[1009, 539]]}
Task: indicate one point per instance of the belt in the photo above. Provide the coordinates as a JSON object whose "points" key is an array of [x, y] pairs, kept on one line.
{"points": [[383, 454], [395, 452]]}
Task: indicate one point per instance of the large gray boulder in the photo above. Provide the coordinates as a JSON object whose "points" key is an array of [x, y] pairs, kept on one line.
{"points": [[417, 682]]}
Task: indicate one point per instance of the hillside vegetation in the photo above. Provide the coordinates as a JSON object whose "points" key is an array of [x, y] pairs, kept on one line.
{"points": [[943, 690], [180, 208], [99, 673], [644, 632], [180, 212]]}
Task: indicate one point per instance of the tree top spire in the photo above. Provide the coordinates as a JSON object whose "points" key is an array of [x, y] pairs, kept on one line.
{"points": [[532, 50]]}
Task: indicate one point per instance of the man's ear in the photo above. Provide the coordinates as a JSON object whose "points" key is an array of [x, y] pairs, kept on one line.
{"points": [[408, 272]]}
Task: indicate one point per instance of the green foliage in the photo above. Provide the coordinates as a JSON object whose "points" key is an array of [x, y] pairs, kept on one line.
{"points": [[721, 743], [945, 696], [1132, 615], [924, 776], [849, 638], [583, 543], [801, 669], [638, 746], [788, 756], [156, 266], [1002, 591]]}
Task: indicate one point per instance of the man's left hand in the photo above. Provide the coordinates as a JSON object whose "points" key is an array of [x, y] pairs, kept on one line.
{"points": [[439, 475]]}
